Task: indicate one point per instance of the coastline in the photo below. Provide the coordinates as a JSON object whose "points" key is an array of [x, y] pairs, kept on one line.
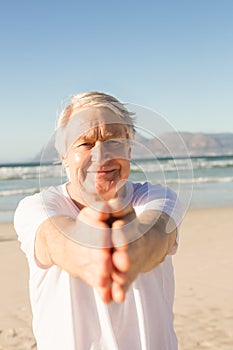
{"points": [[203, 298]]}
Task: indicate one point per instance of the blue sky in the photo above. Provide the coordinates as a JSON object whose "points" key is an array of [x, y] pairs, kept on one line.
{"points": [[174, 57]]}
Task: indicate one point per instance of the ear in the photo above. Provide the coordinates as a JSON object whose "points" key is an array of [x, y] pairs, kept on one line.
{"points": [[129, 153], [65, 162]]}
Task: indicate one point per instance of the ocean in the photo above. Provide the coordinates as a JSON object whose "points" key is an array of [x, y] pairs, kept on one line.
{"points": [[202, 182]]}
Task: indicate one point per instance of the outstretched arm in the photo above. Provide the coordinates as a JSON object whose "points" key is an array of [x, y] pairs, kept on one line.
{"points": [[157, 235], [53, 246]]}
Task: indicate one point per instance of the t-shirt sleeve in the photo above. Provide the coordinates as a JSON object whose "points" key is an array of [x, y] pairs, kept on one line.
{"points": [[30, 214], [160, 198]]}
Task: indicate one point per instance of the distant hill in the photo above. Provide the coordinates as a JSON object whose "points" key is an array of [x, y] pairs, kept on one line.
{"points": [[197, 144], [175, 144]]}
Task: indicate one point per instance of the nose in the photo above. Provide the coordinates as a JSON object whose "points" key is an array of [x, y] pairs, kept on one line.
{"points": [[100, 153]]}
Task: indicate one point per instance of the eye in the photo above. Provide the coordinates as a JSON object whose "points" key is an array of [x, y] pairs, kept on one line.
{"points": [[86, 145], [115, 142]]}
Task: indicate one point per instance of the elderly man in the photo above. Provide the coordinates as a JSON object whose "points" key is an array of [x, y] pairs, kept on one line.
{"points": [[99, 247]]}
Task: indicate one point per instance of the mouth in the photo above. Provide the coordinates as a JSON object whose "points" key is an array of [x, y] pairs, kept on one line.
{"points": [[105, 174]]}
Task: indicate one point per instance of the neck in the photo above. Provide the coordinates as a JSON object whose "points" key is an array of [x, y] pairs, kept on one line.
{"points": [[74, 197]]}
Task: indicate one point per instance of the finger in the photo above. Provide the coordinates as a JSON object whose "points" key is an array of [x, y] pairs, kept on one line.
{"points": [[104, 281], [118, 293], [119, 239], [105, 294], [121, 261], [125, 230], [119, 277], [105, 267]]}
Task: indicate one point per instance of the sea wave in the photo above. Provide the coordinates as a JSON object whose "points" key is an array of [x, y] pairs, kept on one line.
{"points": [[18, 191], [200, 180], [168, 166], [167, 181], [203, 163], [178, 165], [25, 172], [29, 172]]}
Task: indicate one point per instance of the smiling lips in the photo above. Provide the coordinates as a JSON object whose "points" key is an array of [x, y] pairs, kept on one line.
{"points": [[105, 174]]}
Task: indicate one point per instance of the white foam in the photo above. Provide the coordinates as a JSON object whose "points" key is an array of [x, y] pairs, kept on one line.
{"points": [[14, 192]]}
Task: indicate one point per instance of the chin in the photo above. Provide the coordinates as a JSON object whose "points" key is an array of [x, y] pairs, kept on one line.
{"points": [[106, 190]]}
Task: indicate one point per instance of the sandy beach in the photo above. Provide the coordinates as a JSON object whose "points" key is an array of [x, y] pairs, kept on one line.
{"points": [[204, 286]]}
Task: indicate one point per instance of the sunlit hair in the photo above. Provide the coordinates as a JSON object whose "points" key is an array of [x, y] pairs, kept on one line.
{"points": [[94, 99]]}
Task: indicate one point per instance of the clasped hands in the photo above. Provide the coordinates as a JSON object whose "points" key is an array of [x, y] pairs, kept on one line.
{"points": [[112, 266]]}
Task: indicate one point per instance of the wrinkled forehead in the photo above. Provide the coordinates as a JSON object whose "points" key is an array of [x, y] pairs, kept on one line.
{"points": [[94, 123], [94, 117], [105, 131]]}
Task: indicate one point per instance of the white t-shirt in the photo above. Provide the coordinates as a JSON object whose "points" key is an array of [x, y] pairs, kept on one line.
{"points": [[69, 315]]}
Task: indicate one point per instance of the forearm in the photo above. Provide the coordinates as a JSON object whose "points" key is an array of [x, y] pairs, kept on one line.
{"points": [[51, 241], [159, 238], [54, 246]]}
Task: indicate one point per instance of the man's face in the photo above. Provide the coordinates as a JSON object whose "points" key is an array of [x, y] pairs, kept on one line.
{"points": [[98, 161]]}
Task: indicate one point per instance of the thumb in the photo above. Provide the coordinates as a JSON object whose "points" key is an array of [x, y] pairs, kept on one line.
{"points": [[119, 239]]}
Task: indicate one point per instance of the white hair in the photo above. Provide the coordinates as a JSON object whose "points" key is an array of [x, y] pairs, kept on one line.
{"points": [[90, 100]]}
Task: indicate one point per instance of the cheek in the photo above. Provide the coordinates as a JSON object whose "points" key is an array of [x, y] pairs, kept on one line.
{"points": [[125, 169], [73, 161], [77, 160], [82, 160], [78, 164], [71, 165]]}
